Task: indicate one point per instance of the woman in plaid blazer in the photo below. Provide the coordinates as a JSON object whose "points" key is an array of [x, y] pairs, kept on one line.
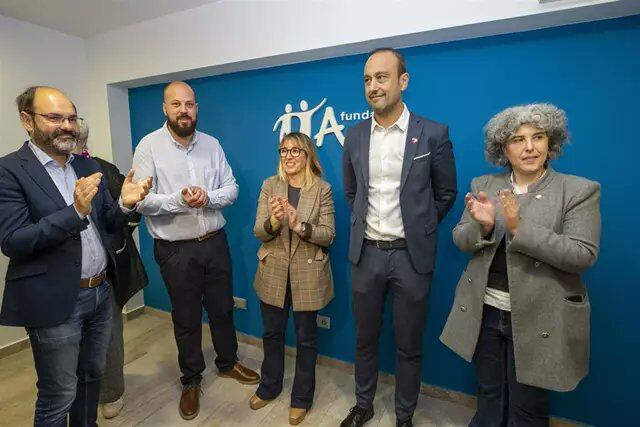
{"points": [[295, 222]]}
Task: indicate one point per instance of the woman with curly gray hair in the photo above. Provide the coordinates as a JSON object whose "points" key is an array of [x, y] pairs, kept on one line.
{"points": [[521, 310]]}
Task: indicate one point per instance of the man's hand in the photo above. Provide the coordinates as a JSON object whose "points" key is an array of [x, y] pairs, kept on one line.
{"points": [[134, 192], [86, 189], [195, 197]]}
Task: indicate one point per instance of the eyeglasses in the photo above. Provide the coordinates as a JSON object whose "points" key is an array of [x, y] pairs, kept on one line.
{"points": [[295, 152], [58, 119]]}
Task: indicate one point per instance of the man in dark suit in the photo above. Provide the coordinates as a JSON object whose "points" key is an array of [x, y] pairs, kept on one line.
{"points": [[56, 217], [400, 181]]}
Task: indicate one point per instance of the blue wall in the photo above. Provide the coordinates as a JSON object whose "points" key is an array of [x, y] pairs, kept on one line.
{"points": [[591, 70]]}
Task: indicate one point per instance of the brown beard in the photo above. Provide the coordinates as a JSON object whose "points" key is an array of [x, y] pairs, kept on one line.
{"points": [[182, 131]]}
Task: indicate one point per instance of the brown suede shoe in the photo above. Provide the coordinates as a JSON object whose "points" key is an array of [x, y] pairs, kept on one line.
{"points": [[256, 403], [190, 401], [241, 374], [296, 415]]}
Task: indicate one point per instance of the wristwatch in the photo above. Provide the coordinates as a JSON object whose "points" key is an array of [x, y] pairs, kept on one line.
{"points": [[303, 228]]}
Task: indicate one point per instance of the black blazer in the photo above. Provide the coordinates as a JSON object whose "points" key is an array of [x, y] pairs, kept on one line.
{"points": [[427, 192], [129, 268], [40, 234]]}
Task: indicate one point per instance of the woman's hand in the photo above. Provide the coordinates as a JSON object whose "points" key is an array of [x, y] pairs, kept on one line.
{"points": [[511, 209], [481, 210]]}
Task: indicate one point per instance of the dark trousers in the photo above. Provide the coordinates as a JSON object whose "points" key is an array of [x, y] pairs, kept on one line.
{"points": [[380, 272], [502, 400], [198, 274], [69, 360], [112, 383], [274, 320]]}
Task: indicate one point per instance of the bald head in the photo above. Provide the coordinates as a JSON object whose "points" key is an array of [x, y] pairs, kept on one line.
{"points": [[181, 109], [50, 119], [41, 96], [178, 87]]}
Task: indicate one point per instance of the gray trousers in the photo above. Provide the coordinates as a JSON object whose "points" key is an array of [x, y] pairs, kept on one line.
{"points": [[112, 383], [380, 272]]}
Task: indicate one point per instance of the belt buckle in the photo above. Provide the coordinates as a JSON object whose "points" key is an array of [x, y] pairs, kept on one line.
{"points": [[378, 244]]}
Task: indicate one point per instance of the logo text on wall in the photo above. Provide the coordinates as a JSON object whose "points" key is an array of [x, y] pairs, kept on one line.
{"points": [[329, 124]]}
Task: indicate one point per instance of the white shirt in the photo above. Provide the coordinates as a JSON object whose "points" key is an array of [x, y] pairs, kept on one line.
{"points": [[386, 153], [174, 167]]}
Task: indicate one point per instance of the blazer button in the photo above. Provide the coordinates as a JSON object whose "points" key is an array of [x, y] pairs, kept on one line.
{"points": [[545, 335], [469, 280], [463, 308], [538, 196], [310, 261], [536, 264]]}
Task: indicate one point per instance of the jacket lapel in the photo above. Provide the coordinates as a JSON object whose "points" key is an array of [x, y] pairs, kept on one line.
{"points": [[39, 174], [305, 206], [414, 132], [365, 143], [81, 167], [280, 190]]}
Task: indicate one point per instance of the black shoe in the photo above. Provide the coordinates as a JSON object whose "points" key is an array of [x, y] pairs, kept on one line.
{"points": [[405, 423], [357, 417]]}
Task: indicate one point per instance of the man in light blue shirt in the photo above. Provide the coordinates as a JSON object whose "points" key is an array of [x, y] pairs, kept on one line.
{"points": [[192, 183]]}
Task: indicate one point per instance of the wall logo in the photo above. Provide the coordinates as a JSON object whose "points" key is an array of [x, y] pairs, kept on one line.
{"points": [[329, 124]]}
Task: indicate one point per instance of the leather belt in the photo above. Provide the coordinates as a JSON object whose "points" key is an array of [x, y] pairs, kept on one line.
{"points": [[92, 282], [386, 245], [206, 236]]}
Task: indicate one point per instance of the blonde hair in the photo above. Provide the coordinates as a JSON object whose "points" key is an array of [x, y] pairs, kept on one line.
{"points": [[313, 171]]}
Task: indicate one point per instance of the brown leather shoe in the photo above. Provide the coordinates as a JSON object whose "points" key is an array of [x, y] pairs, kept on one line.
{"points": [[190, 401], [241, 374], [296, 415], [256, 403]]}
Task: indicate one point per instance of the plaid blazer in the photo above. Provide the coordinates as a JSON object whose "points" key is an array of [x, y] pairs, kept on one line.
{"points": [[305, 261]]}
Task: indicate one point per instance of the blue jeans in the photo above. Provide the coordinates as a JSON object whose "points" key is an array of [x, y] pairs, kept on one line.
{"points": [[502, 400], [70, 360]]}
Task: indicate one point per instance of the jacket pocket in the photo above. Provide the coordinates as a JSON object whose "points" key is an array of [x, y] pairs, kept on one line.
{"points": [[262, 253], [18, 271]]}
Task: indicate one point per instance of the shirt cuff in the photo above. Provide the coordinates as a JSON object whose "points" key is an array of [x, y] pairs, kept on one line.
{"points": [[124, 209], [79, 214]]}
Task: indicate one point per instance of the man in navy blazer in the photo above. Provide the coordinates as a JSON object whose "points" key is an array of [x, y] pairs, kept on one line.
{"points": [[400, 182], [56, 217]]}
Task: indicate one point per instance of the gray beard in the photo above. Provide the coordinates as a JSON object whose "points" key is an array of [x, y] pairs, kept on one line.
{"points": [[64, 146]]}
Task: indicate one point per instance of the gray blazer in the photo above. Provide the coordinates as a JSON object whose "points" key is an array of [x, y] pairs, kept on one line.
{"points": [[557, 239]]}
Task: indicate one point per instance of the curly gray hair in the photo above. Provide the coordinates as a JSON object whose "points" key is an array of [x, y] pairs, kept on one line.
{"points": [[504, 125]]}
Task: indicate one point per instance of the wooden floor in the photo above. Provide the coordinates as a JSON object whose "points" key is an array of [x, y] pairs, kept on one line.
{"points": [[153, 389]]}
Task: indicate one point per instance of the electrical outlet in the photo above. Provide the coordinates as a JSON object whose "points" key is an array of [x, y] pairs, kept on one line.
{"points": [[324, 322], [240, 303]]}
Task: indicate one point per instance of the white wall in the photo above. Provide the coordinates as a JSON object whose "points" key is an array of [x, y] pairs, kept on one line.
{"points": [[33, 55]]}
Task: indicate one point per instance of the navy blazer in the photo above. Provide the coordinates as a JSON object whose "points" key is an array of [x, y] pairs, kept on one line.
{"points": [[40, 234], [427, 189]]}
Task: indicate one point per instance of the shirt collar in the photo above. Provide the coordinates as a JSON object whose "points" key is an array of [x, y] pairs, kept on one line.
{"points": [[44, 158], [402, 123], [194, 140]]}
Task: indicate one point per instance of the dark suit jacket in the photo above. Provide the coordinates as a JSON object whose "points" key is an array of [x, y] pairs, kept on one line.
{"points": [[40, 234], [129, 268], [428, 186]]}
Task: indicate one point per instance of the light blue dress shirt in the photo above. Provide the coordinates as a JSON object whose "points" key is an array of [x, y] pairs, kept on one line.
{"points": [[94, 256], [174, 167]]}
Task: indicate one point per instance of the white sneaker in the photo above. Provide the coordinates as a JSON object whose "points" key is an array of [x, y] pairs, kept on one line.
{"points": [[112, 409]]}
